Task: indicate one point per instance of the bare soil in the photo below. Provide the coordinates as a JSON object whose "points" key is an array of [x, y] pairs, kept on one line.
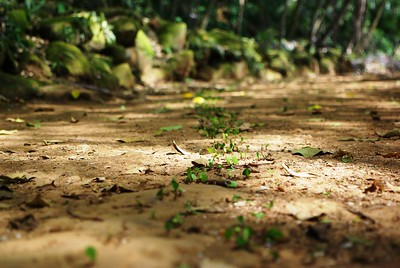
{"points": [[89, 177]]}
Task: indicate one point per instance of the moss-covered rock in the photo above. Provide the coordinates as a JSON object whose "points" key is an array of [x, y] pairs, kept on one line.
{"points": [[37, 68], [67, 29], [19, 18], [117, 53], [13, 86], [102, 73], [154, 76], [270, 75], [123, 73], [327, 66], [181, 64], [144, 52], [171, 35], [125, 29], [279, 60], [68, 59]]}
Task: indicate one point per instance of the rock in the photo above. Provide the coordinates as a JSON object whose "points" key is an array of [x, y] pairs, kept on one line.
{"points": [[181, 64], [14, 86], [279, 61], [36, 67], [117, 53], [67, 29], [171, 35], [125, 29], [327, 66], [270, 75], [123, 73], [19, 18], [68, 59], [102, 74], [154, 76], [144, 52]]}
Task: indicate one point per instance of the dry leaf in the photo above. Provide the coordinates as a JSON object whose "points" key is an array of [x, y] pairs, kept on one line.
{"points": [[299, 174]]}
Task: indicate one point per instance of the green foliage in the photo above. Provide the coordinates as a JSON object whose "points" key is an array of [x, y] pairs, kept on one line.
{"points": [[242, 234]]}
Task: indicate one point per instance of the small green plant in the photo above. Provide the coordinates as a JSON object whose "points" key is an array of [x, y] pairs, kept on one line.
{"points": [[246, 172], [272, 235], [177, 190], [174, 222], [160, 194], [242, 234], [195, 173], [91, 253], [236, 198]]}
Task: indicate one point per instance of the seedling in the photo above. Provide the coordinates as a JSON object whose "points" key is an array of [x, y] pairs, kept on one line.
{"points": [[175, 222], [246, 172], [258, 215], [176, 188], [160, 194], [273, 235], [242, 234], [91, 253], [236, 198]]}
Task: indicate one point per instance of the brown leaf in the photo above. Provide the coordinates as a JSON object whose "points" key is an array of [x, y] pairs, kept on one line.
{"points": [[376, 186], [26, 223], [38, 202]]}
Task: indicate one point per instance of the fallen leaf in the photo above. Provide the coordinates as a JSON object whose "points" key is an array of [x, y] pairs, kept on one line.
{"points": [[392, 133], [38, 202], [73, 120], [75, 94], [15, 120], [26, 223], [309, 152], [359, 139], [298, 174], [168, 128], [44, 109], [36, 124], [8, 132], [392, 188], [390, 155], [201, 162], [130, 140], [115, 189], [376, 186], [49, 142]]}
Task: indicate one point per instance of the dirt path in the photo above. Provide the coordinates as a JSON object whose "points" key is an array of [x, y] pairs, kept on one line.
{"points": [[89, 184]]}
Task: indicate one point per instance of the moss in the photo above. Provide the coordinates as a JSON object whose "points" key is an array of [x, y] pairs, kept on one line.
{"points": [[14, 86], [125, 29], [172, 35], [327, 66], [181, 64], [102, 73], [69, 59], [19, 18], [35, 60], [124, 75], [142, 43], [116, 52]]}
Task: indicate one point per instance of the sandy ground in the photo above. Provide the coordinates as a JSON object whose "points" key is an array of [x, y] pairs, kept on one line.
{"points": [[87, 183]]}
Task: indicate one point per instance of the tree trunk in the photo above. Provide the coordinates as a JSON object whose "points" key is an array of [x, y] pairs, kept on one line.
{"points": [[367, 37], [295, 18], [282, 31], [242, 4], [206, 18], [358, 25], [334, 26], [316, 23]]}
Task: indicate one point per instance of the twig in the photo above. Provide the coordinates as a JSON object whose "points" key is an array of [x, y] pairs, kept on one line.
{"points": [[181, 151]]}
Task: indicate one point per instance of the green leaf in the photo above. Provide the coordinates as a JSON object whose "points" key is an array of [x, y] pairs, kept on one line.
{"points": [[171, 128], [75, 94], [232, 184], [236, 198], [174, 184], [91, 253], [273, 234], [246, 172], [258, 215], [346, 158], [37, 124], [235, 160], [308, 151], [203, 176]]}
